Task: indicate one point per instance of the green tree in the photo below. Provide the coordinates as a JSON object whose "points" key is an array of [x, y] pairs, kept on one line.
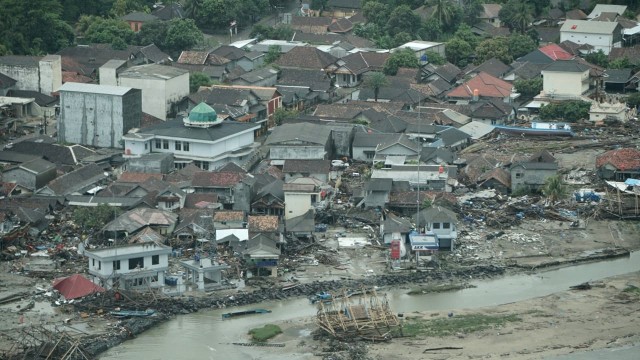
{"points": [[598, 58], [447, 13], [472, 11], [198, 79], [182, 34], [401, 58], [403, 19], [633, 100], [376, 13], [33, 27], [192, 9], [107, 30], [431, 29], [520, 45], [517, 14], [318, 4], [458, 51], [375, 80], [282, 114], [123, 7], [280, 32], [554, 188], [273, 54], [464, 32], [529, 87], [153, 32], [435, 58], [401, 38], [569, 111], [497, 47], [92, 218], [620, 63]]}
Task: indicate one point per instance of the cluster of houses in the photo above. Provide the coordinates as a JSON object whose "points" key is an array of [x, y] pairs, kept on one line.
{"points": [[211, 166]]}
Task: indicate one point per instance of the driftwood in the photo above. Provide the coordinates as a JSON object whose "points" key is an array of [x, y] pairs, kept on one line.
{"points": [[442, 348]]}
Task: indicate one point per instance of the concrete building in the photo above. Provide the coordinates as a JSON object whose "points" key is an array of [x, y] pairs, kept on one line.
{"points": [[41, 74], [130, 266], [31, 175], [162, 87], [300, 197], [154, 163], [302, 141], [97, 115], [441, 222], [110, 70], [602, 111], [202, 139], [204, 273], [602, 35], [420, 47], [565, 78]]}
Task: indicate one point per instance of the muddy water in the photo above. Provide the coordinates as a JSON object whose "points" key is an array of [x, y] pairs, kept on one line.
{"points": [[204, 335]]}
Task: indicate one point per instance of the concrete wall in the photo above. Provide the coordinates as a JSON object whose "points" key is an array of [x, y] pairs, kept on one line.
{"points": [[27, 77], [283, 152], [342, 137], [529, 179], [108, 76], [176, 89], [565, 83], [598, 41], [242, 197], [28, 179], [151, 165], [98, 119], [358, 153], [50, 74], [297, 204]]}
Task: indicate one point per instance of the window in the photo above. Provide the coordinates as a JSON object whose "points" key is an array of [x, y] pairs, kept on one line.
{"points": [[99, 265], [178, 145], [185, 146], [436, 225], [155, 259], [314, 198], [136, 263], [370, 154], [146, 146], [158, 143], [116, 265], [165, 144], [446, 225], [519, 175], [93, 262]]}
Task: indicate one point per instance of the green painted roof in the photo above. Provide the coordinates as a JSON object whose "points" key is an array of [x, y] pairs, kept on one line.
{"points": [[203, 113]]}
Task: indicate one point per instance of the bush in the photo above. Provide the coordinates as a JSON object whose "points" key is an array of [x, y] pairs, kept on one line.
{"points": [[265, 333]]}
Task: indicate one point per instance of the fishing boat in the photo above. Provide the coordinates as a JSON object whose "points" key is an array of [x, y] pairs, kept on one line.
{"points": [[132, 313], [323, 297], [245, 312], [536, 130]]}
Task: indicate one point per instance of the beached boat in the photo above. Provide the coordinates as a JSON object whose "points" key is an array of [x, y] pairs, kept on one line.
{"points": [[523, 131], [245, 312], [132, 313]]}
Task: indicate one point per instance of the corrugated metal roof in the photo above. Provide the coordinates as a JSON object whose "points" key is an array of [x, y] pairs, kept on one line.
{"points": [[95, 89]]}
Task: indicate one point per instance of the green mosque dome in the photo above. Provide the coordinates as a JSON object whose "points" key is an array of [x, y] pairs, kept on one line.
{"points": [[202, 115]]}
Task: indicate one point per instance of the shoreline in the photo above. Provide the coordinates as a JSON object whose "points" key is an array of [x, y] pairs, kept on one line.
{"points": [[127, 329]]}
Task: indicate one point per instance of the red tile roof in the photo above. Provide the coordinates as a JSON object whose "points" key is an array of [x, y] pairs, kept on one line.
{"points": [[71, 76], [136, 177], [556, 52], [487, 86], [263, 223], [622, 159], [228, 216], [216, 179]]}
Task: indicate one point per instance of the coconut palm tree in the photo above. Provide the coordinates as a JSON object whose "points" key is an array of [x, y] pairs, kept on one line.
{"points": [[375, 81], [554, 188], [443, 11]]}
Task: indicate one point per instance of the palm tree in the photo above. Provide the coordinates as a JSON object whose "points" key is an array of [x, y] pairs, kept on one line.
{"points": [[522, 16], [554, 188], [375, 81], [191, 8], [443, 11]]}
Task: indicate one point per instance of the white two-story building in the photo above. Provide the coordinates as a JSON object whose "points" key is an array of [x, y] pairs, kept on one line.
{"points": [[202, 139], [130, 266], [602, 35], [565, 79]]}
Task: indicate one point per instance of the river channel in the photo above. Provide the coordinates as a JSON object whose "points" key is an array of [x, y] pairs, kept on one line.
{"points": [[203, 335]]}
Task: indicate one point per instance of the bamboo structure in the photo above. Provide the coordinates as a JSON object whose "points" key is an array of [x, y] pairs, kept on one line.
{"points": [[40, 342], [622, 201], [369, 318]]}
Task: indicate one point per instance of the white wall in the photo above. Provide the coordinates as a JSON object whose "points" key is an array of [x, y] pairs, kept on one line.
{"points": [[297, 204], [153, 94], [50, 74], [565, 83], [176, 89], [27, 77], [106, 267], [598, 41]]}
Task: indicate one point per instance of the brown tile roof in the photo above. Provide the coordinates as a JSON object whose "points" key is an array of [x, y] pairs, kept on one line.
{"points": [[621, 159], [216, 179], [341, 25], [499, 174], [487, 86], [490, 11], [136, 177], [72, 76], [315, 166], [196, 200], [575, 14], [263, 223], [306, 57], [193, 57], [220, 216]]}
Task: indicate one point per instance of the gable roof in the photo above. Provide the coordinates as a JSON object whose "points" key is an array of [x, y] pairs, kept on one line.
{"points": [[37, 166], [216, 179], [498, 174], [307, 132], [555, 52], [136, 219], [197, 200], [6, 82], [490, 11], [487, 86], [401, 139], [621, 159], [341, 25], [263, 223], [492, 67], [367, 139], [137, 177], [139, 16], [310, 21], [168, 12], [361, 62], [575, 14], [345, 4], [58, 154], [589, 27], [452, 135], [77, 180], [601, 8], [315, 79], [315, 166], [306, 57], [193, 57], [228, 215], [301, 223], [394, 223], [566, 66]]}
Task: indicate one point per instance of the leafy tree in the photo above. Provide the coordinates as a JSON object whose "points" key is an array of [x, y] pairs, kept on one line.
{"points": [[435, 58], [431, 29], [598, 58], [529, 87], [633, 100], [620, 63], [401, 58], [73, 9], [368, 31], [376, 13], [192, 8], [541, 6], [472, 11], [107, 30], [464, 33], [520, 45], [95, 217], [218, 14], [554, 188], [446, 12], [318, 4], [517, 14], [403, 19], [375, 80], [401, 38], [569, 111], [198, 79], [497, 47], [33, 27], [182, 34], [118, 44], [281, 114], [280, 32], [458, 51], [273, 54], [123, 7], [153, 32]]}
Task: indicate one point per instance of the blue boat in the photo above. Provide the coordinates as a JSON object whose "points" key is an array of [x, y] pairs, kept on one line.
{"points": [[323, 297], [523, 131], [132, 313], [245, 312]]}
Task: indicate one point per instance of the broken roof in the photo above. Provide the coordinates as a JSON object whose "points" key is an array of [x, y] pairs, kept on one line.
{"points": [[77, 180], [263, 223], [621, 159], [229, 215], [136, 219]]}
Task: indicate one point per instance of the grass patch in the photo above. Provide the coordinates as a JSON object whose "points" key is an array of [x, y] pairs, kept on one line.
{"points": [[632, 290], [458, 324], [438, 288], [265, 333]]}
